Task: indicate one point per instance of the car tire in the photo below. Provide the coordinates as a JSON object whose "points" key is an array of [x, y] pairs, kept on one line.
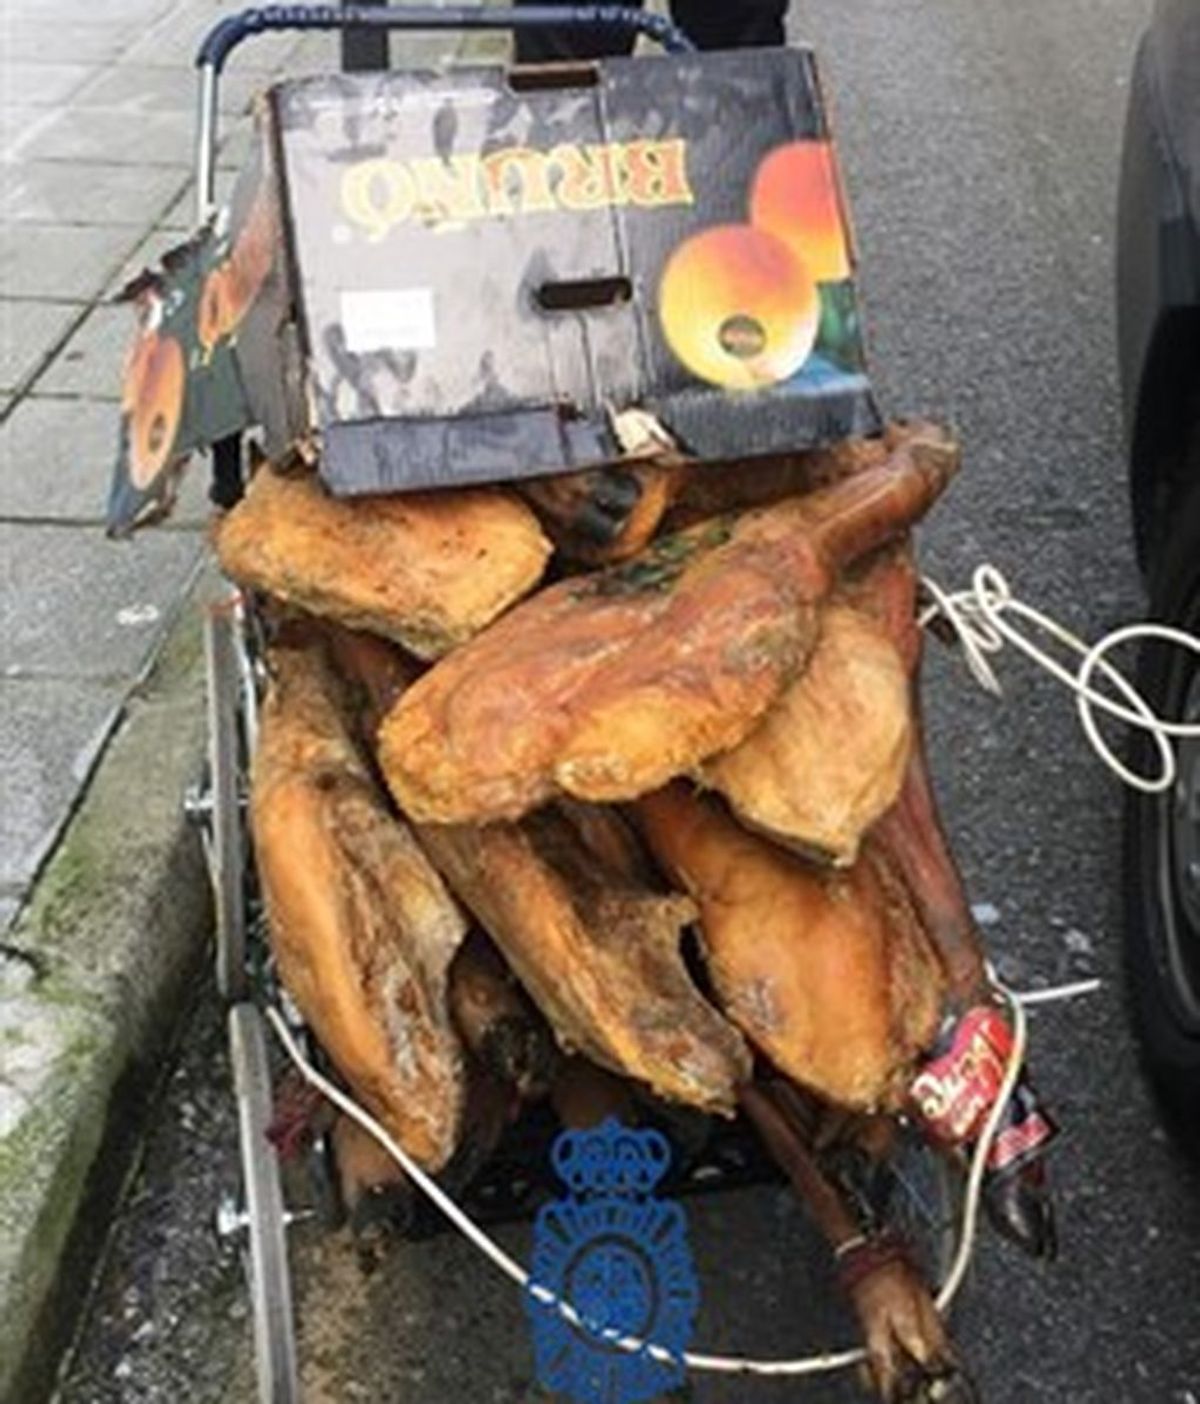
{"points": [[1162, 841]]}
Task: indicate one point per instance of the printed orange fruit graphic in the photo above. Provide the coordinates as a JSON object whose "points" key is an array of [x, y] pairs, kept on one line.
{"points": [[738, 307], [137, 362], [254, 250], [154, 421], [795, 197], [215, 314], [232, 286]]}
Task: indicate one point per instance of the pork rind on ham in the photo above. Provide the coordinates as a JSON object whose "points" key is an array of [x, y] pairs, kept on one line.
{"points": [[363, 928], [426, 570], [829, 973], [598, 952], [830, 756]]}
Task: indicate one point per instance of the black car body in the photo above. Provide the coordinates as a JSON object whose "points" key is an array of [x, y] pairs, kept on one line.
{"points": [[1158, 262], [1158, 307]]}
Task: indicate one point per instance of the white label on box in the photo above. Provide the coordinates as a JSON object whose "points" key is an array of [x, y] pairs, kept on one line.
{"points": [[389, 319]]}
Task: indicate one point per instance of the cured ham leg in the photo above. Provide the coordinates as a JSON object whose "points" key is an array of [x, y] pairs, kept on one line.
{"points": [[798, 778], [604, 515], [496, 1021], [568, 898], [829, 757], [1019, 1201], [605, 687], [427, 570], [913, 844], [378, 1198], [489, 1008], [713, 489], [911, 836], [909, 832], [375, 673], [362, 926], [909, 1355], [599, 956], [515, 1060], [829, 973]]}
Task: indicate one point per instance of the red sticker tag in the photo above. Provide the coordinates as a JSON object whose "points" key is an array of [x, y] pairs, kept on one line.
{"points": [[1017, 1143], [957, 1089], [1023, 1131]]}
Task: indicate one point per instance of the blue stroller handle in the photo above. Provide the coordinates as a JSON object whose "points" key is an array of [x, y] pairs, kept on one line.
{"points": [[228, 33]]}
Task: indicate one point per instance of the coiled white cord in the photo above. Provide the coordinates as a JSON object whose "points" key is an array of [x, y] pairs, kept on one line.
{"points": [[978, 618], [723, 1364]]}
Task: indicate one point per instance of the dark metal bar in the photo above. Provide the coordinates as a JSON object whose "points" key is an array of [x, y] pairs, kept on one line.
{"points": [[364, 50], [375, 20], [224, 37]]}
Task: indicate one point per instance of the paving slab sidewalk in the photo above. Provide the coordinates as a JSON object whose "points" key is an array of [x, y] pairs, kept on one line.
{"points": [[92, 979], [104, 907], [95, 149], [95, 158]]}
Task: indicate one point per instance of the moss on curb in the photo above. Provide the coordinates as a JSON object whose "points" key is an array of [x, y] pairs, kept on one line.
{"points": [[116, 926]]}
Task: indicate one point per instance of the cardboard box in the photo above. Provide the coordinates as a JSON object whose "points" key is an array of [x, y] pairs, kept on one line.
{"points": [[454, 277]]}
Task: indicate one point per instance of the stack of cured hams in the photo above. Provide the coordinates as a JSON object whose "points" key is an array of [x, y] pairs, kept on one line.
{"points": [[609, 788]]}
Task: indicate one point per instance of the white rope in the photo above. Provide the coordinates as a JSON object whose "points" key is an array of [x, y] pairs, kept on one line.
{"points": [[978, 617], [970, 1215], [1056, 993], [722, 1364]]}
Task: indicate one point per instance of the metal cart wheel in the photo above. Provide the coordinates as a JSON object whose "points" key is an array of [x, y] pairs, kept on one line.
{"points": [[265, 1221], [227, 846], [926, 1201]]}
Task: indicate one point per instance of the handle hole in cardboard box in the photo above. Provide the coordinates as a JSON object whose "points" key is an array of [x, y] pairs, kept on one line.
{"points": [[582, 294], [540, 77]]}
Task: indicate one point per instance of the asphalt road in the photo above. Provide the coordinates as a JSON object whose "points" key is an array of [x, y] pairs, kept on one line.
{"points": [[980, 147]]}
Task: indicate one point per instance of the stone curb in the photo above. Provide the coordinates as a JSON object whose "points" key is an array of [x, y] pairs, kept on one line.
{"points": [[93, 981]]}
